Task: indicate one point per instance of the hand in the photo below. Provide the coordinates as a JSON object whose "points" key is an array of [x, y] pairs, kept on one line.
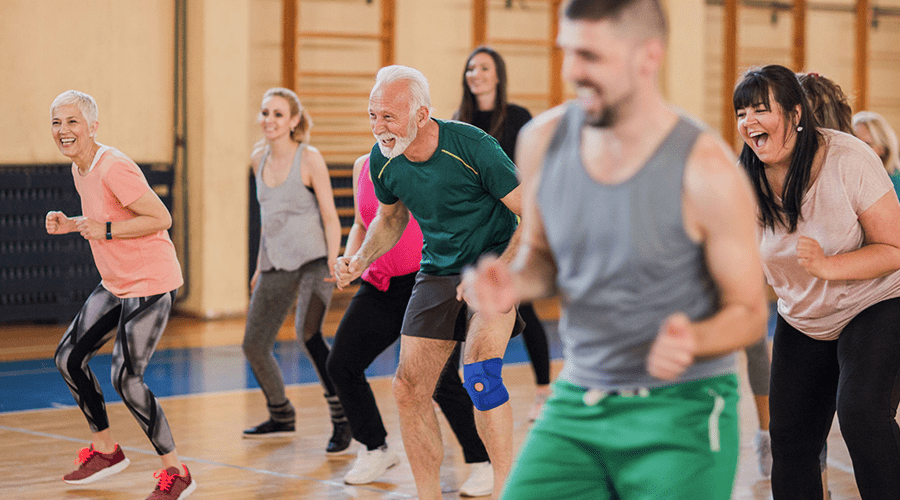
{"points": [[811, 256], [673, 350], [56, 223], [488, 287], [332, 264], [254, 279], [347, 269], [90, 229]]}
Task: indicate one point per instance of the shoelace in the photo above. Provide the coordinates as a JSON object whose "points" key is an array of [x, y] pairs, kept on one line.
{"points": [[165, 480], [85, 454]]}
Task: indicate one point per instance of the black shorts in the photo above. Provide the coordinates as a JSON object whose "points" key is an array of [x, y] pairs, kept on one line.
{"points": [[434, 313]]}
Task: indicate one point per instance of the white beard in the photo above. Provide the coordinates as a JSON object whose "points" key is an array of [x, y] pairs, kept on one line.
{"points": [[400, 143]]}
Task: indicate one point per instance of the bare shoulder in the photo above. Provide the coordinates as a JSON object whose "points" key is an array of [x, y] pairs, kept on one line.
{"points": [[257, 155], [535, 137], [711, 164], [717, 191], [312, 157], [358, 164]]}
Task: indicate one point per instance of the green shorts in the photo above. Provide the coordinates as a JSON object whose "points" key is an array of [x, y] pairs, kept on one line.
{"points": [[674, 442]]}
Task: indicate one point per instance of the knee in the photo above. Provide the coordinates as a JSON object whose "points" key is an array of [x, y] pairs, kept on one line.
{"points": [[252, 350], [336, 368], [407, 391], [484, 383]]}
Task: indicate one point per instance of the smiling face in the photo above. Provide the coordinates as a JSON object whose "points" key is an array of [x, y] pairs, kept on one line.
{"points": [[393, 123], [275, 118], [603, 66], [481, 75], [769, 131], [73, 135]]}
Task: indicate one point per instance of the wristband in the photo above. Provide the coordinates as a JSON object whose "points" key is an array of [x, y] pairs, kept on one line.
{"points": [[108, 230]]}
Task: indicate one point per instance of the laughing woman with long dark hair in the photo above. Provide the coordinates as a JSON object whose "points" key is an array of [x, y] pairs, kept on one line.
{"points": [[828, 219]]}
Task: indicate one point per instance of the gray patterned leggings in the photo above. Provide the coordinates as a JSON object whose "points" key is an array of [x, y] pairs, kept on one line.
{"points": [[137, 323], [269, 305]]}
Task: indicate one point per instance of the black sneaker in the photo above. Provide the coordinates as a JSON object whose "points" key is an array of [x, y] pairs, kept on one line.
{"points": [[340, 439], [270, 429]]}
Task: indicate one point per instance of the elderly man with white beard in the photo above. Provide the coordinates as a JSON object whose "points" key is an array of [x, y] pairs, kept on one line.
{"points": [[463, 190]]}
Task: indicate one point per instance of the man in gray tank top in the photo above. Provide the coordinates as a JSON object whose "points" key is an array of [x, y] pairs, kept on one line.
{"points": [[643, 223]]}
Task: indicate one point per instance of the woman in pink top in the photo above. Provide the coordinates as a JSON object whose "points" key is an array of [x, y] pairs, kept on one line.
{"points": [[126, 225], [370, 325], [831, 249]]}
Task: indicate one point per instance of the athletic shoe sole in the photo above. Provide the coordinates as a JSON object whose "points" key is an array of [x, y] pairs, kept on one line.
{"points": [[271, 435], [187, 491], [109, 471]]}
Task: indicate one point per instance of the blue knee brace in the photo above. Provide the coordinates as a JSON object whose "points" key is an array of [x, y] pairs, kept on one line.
{"points": [[488, 373]]}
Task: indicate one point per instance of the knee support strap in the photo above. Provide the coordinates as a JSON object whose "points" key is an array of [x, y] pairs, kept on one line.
{"points": [[489, 373]]}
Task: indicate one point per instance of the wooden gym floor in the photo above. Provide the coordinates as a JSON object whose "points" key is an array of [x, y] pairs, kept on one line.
{"points": [[206, 419]]}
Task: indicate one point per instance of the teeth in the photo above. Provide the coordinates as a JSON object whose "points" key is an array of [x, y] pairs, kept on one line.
{"points": [[755, 134], [67, 141]]}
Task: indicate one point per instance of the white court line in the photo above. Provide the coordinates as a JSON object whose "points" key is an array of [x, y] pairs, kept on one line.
{"points": [[337, 484]]}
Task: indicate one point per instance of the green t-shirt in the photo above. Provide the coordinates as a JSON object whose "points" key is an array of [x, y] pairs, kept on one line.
{"points": [[454, 195]]}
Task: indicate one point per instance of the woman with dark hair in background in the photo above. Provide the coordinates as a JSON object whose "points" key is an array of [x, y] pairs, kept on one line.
{"points": [[831, 251], [485, 105]]}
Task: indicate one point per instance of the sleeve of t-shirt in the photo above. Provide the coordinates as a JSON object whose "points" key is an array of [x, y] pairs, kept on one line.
{"points": [[496, 171], [865, 179], [126, 181], [376, 171]]}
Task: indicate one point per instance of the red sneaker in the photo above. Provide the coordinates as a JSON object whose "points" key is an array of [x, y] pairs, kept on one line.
{"points": [[94, 465], [171, 485]]}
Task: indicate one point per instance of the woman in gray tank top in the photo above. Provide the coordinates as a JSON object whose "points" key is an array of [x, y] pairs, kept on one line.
{"points": [[299, 242]]}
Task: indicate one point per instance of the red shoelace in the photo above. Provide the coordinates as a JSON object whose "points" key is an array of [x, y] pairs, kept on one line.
{"points": [[165, 480], [85, 454]]}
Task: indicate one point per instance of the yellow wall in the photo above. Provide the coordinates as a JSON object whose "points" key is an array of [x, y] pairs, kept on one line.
{"points": [[121, 51]]}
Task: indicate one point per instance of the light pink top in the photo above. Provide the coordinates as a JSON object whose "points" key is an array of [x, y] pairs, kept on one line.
{"points": [[406, 255], [132, 267], [851, 180]]}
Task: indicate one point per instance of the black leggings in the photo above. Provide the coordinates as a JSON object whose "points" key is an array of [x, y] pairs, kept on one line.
{"points": [[370, 325], [137, 323], [535, 339], [858, 375]]}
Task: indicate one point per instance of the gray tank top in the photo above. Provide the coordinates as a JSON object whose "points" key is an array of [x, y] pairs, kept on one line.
{"points": [[624, 260], [292, 231]]}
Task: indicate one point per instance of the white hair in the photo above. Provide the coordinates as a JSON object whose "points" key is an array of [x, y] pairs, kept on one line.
{"points": [[82, 101], [883, 135], [419, 93]]}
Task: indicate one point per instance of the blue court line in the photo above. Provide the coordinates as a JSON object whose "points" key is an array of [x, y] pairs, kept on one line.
{"points": [[36, 384]]}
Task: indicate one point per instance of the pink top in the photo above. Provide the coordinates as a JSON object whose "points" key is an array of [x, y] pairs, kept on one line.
{"points": [[851, 180], [406, 255], [132, 267]]}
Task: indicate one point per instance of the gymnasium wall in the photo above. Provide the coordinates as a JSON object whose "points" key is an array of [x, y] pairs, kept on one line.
{"points": [[123, 53]]}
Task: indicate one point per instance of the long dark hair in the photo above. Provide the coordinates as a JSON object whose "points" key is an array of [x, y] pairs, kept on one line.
{"points": [[469, 105], [752, 90]]}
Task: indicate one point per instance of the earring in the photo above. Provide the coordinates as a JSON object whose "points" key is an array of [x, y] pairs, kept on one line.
{"points": [[800, 129]]}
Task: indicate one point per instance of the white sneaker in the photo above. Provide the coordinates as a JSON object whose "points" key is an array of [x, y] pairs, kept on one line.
{"points": [[480, 482], [764, 452], [369, 465]]}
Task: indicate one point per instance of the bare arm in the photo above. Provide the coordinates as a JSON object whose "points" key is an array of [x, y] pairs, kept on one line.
{"points": [[879, 255], [719, 213], [150, 216], [316, 175], [255, 159], [384, 232], [358, 229]]}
